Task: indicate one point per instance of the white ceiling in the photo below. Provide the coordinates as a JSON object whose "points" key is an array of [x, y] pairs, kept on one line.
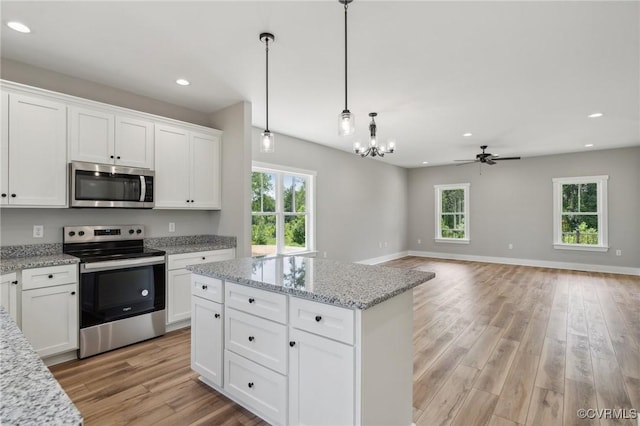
{"points": [[521, 76]]}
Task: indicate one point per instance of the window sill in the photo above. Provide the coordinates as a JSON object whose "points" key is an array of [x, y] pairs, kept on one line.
{"points": [[452, 240], [580, 247]]}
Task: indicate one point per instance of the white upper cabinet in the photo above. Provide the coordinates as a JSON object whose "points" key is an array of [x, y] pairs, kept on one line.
{"points": [[34, 171], [187, 169], [97, 136]]}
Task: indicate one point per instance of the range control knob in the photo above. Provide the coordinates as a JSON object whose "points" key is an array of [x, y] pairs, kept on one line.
{"points": [[138, 231], [81, 233], [72, 233], [131, 231]]}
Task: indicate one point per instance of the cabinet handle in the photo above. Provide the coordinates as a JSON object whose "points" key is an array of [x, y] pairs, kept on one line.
{"points": [[187, 201], [251, 338], [204, 287], [251, 300], [13, 195], [50, 276], [192, 201], [204, 258], [4, 195], [217, 315], [250, 384], [118, 157], [14, 282], [73, 293], [292, 343], [111, 156], [318, 318]]}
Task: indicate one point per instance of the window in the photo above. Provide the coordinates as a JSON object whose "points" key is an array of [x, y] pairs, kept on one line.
{"points": [[452, 213], [580, 213], [282, 211]]}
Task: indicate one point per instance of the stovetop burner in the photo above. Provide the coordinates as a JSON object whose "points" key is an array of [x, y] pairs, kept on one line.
{"points": [[101, 243]]}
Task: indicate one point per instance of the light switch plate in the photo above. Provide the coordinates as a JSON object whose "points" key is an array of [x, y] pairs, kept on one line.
{"points": [[172, 227]]}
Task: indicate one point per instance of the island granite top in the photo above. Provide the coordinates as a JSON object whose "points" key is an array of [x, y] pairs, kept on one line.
{"points": [[30, 393], [349, 285]]}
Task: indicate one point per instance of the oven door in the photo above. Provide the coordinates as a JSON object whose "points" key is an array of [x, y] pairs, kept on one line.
{"points": [[100, 185], [114, 290]]}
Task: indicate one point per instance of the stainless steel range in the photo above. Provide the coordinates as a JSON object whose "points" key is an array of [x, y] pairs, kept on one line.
{"points": [[122, 286]]}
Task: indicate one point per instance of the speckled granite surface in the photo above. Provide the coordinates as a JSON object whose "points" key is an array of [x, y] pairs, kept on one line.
{"points": [[343, 284], [15, 258], [191, 243], [30, 393]]}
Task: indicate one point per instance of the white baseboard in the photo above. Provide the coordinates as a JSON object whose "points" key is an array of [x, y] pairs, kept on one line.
{"points": [[530, 262], [385, 258], [60, 358], [178, 325]]}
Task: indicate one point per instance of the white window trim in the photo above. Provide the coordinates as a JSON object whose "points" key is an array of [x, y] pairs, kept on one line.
{"points": [[257, 166], [603, 234], [438, 204]]}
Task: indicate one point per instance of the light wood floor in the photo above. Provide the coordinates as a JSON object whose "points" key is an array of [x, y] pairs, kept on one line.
{"points": [[493, 344]]}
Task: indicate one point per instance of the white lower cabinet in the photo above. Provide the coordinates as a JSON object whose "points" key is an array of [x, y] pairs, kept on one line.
{"points": [[9, 295], [206, 339], [321, 380], [179, 281], [50, 308]]}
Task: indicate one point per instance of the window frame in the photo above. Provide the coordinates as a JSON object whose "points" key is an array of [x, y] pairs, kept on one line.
{"points": [[603, 232], [438, 209], [280, 214]]}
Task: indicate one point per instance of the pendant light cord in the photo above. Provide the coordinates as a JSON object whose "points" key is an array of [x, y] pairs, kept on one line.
{"points": [[267, 83], [345, 57]]}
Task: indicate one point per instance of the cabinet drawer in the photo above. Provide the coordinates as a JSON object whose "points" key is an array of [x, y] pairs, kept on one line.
{"points": [[179, 261], [322, 319], [49, 276], [258, 302], [261, 389], [258, 339], [207, 288]]}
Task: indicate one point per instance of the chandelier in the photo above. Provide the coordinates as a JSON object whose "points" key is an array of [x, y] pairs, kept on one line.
{"points": [[373, 149]]}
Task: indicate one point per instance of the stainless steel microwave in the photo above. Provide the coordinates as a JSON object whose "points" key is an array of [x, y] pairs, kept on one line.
{"points": [[101, 185]]}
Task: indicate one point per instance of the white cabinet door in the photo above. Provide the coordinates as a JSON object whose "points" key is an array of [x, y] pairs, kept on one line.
{"points": [[178, 295], [91, 135], [50, 318], [37, 152], [134, 142], [9, 294], [172, 167], [4, 151], [205, 171], [206, 339], [321, 380]]}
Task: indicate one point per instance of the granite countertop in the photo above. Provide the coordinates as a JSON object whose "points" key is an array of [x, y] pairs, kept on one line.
{"points": [[15, 258], [349, 285], [191, 244], [30, 393]]}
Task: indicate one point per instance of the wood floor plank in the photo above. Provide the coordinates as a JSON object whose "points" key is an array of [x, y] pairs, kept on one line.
{"points": [[578, 359], [610, 389], [534, 337], [557, 326], [481, 350], [513, 403], [500, 421], [427, 385], [551, 370], [546, 408], [495, 372], [477, 409], [579, 395], [518, 326]]}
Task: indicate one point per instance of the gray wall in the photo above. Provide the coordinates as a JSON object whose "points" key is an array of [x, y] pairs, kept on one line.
{"points": [[359, 202], [511, 202], [234, 218]]}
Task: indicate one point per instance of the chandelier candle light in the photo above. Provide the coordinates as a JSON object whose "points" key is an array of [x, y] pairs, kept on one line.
{"points": [[267, 139], [346, 120], [374, 149]]}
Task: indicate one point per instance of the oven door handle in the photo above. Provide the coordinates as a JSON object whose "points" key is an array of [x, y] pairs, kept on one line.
{"points": [[86, 268]]}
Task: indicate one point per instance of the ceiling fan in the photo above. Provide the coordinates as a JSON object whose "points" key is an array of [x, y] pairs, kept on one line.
{"points": [[486, 158]]}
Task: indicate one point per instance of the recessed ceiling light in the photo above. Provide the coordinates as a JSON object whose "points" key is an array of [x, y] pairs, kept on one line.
{"points": [[595, 115], [466, 135], [183, 82], [425, 162], [589, 145], [18, 26]]}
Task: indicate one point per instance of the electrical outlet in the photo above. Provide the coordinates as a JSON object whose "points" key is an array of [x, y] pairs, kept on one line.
{"points": [[38, 231], [172, 227], [419, 241], [510, 246], [618, 252], [380, 244]]}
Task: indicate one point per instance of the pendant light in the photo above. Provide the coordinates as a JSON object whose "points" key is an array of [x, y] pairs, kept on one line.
{"points": [[346, 120], [267, 139], [373, 149]]}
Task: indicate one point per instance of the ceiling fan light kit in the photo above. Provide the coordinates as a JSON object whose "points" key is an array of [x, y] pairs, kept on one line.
{"points": [[267, 139]]}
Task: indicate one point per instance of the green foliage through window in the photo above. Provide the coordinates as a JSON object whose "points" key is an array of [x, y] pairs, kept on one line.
{"points": [[580, 213]]}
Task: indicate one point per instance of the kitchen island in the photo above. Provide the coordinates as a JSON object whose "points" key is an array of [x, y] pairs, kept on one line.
{"points": [[300, 340]]}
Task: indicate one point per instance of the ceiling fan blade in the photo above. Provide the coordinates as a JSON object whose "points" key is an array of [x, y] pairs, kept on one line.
{"points": [[489, 161], [507, 158], [467, 162]]}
